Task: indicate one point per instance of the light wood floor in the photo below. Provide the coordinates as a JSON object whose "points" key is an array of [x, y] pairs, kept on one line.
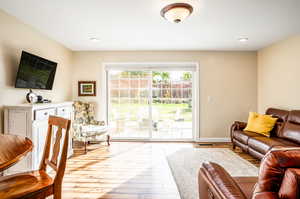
{"points": [[134, 170]]}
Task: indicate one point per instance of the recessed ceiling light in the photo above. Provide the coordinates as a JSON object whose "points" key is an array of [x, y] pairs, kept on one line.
{"points": [[243, 39], [176, 12], [94, 39]]}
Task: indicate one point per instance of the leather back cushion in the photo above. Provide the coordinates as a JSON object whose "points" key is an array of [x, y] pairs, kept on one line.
{"points": [[290, 187], [282, 116], [291, 129], [273, 167]]}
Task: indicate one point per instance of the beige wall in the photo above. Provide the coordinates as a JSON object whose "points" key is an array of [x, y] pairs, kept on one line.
{"points": [[237, 81], [15, 37], [279, 75], [230, 78]]}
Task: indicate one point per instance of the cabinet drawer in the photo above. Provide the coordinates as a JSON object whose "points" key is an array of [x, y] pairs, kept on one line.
{"points": [[44, 114], [64, 111]]}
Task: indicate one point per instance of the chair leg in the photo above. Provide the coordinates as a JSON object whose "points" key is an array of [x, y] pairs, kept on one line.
{"points": [[85, 146], [233, 147], [108, 140], [57, 192]]}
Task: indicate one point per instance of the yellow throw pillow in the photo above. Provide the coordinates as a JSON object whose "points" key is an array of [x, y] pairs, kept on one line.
{"points": [[261, 124]]}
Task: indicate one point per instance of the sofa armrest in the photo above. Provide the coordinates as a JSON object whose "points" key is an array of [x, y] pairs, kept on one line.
{"points": [[237, 126], [214, 180]]}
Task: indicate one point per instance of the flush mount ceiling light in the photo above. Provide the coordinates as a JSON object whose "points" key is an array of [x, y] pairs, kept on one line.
{"points": [[243, 39], [94, 39], [176, 12]]}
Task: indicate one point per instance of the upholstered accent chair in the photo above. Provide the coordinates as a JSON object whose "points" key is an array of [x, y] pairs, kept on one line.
{"points": [[86, 128]]}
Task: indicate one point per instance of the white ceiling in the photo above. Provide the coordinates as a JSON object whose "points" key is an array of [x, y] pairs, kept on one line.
{"points": [[137, 24]]}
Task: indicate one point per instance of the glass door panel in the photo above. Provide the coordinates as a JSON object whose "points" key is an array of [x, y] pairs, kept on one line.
{"points": [[129, 104], [172, 105]]}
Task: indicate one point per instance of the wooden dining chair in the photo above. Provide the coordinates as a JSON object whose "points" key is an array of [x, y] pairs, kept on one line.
{"points": [[39, 184]]}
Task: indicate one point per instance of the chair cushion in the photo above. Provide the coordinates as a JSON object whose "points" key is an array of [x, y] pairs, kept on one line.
{"points": [[263, 144], [246, 184], [93, 128], [243, 136], [23, 184]]}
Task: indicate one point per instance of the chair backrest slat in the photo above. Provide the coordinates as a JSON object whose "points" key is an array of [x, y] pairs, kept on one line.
{"points": [[61, 124], [53, 166], [56, 147]]}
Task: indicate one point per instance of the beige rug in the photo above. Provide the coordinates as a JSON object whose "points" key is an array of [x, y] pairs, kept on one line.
{"points": [[185, 164]]}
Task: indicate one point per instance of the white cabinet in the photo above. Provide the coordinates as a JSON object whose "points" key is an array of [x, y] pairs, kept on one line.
{"points": [[32, 121]]}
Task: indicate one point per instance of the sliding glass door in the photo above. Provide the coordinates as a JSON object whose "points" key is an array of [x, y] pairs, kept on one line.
{"points": [[150, 104], [172, 105]]}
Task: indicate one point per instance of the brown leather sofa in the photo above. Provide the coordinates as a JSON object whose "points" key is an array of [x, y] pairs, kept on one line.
{"points": [[279, 176], [285, 133]]}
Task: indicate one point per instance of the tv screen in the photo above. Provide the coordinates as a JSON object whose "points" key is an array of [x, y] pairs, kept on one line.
{"points": [[35, 72]]}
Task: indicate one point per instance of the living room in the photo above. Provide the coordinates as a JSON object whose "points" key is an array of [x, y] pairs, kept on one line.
{"points": [[164, 83]]}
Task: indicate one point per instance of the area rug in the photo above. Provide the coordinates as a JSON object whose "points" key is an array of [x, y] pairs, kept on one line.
{"points": [[185, 164]]}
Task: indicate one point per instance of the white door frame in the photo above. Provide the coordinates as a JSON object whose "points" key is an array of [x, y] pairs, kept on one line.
{"points": [[151, 66]]}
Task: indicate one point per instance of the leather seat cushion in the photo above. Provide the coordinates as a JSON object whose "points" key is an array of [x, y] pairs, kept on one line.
{"points": [[263, 144], [243, 136], [246, 184], [285, 142]]}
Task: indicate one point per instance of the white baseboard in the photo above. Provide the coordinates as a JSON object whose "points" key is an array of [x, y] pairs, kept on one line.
{"points": [[213, 140]]}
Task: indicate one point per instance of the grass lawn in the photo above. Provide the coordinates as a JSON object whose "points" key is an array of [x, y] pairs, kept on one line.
{"points": [[135, 111]]}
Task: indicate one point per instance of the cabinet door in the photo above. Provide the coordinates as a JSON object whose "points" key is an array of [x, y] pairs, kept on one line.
{"points": [[40, 133], [66, 112], [16, 124]]}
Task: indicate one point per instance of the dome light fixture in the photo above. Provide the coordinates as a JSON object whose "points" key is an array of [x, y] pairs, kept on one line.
{"points": [[94, 39], [243, 39], [176, 12]]}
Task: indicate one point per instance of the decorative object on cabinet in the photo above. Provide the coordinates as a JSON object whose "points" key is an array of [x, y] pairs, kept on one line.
{"points": [[31, 97], [85, 127], [87, 88], [31, 120], [38, 184]]}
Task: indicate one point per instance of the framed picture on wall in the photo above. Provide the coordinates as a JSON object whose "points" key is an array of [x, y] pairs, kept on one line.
{"points": [[86, 88]]}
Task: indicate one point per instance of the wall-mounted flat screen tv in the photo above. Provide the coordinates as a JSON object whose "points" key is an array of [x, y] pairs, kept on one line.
{"points": [[35, 72]]}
